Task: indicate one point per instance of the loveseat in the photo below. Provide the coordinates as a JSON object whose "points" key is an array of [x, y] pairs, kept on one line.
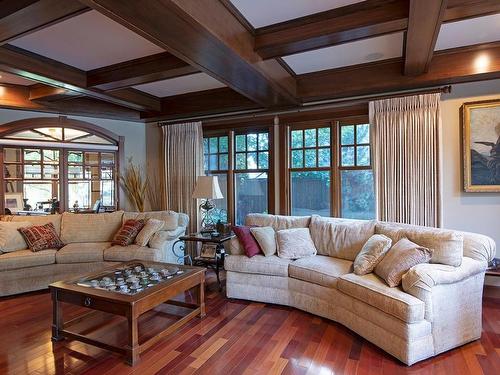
{"points": [[88, 248], [437, 307]]}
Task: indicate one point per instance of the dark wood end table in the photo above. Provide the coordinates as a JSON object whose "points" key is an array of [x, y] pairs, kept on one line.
{"points": [[216, 263], [132, 307]]}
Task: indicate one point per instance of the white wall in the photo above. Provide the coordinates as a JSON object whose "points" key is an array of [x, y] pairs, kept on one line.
{"points": [[474, 212], [134, 133]]}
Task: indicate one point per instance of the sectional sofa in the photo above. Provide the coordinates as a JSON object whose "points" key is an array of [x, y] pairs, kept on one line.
{"points": [[437, 308], [87, 239]]}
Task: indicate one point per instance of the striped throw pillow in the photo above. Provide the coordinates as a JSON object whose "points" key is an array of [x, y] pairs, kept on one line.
{"points": [[41, 237], [128, 232]]}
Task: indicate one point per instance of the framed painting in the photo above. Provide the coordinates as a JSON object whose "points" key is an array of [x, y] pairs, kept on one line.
{"points": [[481, 146], [14, 201]]}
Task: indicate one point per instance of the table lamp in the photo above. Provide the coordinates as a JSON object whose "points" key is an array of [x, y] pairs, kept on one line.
{"points": [[207, 188]]}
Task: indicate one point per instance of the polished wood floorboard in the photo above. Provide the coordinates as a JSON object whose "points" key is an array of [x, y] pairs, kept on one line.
{"points": [[236, 337]]}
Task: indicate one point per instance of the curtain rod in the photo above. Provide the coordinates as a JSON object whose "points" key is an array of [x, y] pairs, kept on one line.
{"points": [[306, 107]]}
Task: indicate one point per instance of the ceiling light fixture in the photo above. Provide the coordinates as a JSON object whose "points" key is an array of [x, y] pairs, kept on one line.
{"points": [[481, 63]]}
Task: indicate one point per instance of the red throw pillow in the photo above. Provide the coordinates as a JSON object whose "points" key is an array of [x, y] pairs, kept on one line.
{"points": [[128, 232], [247, 240], [41, 237]]}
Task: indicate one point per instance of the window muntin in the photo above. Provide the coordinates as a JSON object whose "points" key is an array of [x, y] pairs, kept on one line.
{"points": [[56, 134], [216, 153], [252, 151]]}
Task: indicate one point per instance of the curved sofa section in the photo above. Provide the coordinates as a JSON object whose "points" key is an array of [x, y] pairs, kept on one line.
{"points": [[438, 309]]}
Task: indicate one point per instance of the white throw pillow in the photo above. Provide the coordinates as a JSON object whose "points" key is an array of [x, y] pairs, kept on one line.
{"points": [[152, 226], [266, 238], [295, 243], [10, 238]]}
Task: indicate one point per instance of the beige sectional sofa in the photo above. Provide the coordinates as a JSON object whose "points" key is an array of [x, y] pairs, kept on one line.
{"points": [[437, 308], [88, 248]]}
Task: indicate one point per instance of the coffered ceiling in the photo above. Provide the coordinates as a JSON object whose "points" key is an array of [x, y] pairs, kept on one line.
{"points": [[178, 58]]}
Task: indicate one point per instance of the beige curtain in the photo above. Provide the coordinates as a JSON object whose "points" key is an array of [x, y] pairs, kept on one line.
{"points": [[183, 163], [406, 158]]}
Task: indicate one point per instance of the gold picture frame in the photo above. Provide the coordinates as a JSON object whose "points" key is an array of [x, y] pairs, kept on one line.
{"points": [[208, 250], [481, 146]]}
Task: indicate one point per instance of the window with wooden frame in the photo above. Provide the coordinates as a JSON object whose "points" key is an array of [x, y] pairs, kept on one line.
{"points": [[58, 158], [357, 196], [216, 163], [329, 170], [241, 160], [310, 171]]}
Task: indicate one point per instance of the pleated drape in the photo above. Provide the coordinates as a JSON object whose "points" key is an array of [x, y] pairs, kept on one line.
{"points": [[406, 158], [183, 163]]}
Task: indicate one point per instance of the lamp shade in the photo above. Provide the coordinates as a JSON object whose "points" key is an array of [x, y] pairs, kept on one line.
{"points": [[207, 187]]}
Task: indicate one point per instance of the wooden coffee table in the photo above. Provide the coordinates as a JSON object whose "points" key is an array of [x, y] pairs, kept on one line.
{"points": [[130, 306]]}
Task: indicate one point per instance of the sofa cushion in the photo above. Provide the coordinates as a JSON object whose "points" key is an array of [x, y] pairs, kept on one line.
{"points": [[258, 264], [374, 291], [340, 238], [10, 238], [94, 227], [247, 241], [295, 243], [38, 220], [266, 238], [170, 219], [26, 258], [447, 245], [82, 252], [128, 232], [150, 228], [131, 252], [371, 254], [41, 237], [320, 269], [277, 222], [400, 258]]}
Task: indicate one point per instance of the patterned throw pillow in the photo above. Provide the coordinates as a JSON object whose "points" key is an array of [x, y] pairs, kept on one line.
{"points": [[41, 237], [128, 232], [151, 227], [295, 243]]}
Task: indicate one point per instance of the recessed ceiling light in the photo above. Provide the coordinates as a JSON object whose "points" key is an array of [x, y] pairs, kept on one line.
{"points": [[481, 63]]}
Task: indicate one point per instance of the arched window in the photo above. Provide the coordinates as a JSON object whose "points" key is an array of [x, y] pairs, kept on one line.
{"points": [[58, 164]]}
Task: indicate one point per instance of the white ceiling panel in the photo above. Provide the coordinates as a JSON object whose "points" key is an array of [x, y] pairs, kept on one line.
{"points": [[359, 52], [267, 12], [15, 80], [180, 85], [468, 32], [88, 41]]}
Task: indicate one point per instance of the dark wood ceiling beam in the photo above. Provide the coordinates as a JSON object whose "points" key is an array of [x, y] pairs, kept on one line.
{"points": [[18, 97], [43, 92], [341, 25], [138, 71], [424, 23], [207, 36], [53, 73], [462, 9], [25, 17], [200, 103], [458, 65]]}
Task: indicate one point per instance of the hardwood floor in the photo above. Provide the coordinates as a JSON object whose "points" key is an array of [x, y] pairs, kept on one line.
{"points": [[236, 337]]}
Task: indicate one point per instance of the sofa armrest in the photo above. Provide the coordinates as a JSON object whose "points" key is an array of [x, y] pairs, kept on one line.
{"points": [[163, 236], [444, 288], [425, 276]]}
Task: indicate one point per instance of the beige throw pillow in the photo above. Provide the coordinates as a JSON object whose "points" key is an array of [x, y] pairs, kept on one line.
{"points": [[399, 259], [295, 243], [371, 254], [10, 238], [152, 226], [266, 238]]}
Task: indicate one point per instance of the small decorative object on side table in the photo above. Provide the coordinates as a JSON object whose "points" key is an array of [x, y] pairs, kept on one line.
{"points": [[212, 251]]}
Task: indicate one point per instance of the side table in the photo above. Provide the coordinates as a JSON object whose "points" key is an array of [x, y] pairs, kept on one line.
{"points": [[216, 263]]}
